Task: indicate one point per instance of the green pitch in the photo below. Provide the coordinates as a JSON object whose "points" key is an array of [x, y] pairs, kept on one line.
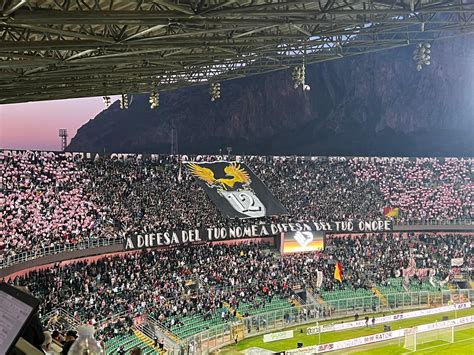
{"points": [[463, 345], [464, 338]]}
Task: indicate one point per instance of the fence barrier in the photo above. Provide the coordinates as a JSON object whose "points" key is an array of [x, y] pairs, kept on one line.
{"points": [[57, 249], [221, 335]]}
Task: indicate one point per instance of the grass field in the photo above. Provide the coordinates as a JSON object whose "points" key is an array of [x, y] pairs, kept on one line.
{"points": [[463, 345], [464, 338]]}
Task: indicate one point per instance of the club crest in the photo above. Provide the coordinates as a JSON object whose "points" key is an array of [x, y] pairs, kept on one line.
{"points": [[245, 195]]}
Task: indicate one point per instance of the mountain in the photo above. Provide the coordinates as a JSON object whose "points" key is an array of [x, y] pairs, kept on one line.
{"points": [[373, 104]]}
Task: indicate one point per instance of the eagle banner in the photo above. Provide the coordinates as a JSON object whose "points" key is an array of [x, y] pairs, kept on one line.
{"points": [[236, 190]]}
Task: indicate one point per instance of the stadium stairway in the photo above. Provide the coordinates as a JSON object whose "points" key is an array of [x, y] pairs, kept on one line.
{"points": [[238, 315], [129, 342], [295, 303], [314, 297], [379, 295], [146, 340], [320, 301]]}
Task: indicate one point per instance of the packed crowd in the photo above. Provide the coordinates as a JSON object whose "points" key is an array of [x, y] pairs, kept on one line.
{"points": [[156, 283], [147, 194], [377, 258], [172, 284], [44, 201], [52, 200], [425, 189], [319, 189]]}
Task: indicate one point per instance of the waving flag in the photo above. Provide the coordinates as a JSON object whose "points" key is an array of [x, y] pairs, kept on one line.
{"points": [[180, 178], [319, 278], [338, 272], [390, 212]]}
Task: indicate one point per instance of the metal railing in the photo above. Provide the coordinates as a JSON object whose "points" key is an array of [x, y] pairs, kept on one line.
{"points": [[60, 319], [58, 249], [435, 222], [112, 318], [151, 328]]}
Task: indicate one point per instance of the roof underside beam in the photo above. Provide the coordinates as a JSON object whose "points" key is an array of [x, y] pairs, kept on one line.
{"points": [[52, 49]]}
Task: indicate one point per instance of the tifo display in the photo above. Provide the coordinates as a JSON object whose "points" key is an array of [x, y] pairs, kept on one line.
{"points": [[52, 199], [300, 233], [236, 190], [219, 249]]}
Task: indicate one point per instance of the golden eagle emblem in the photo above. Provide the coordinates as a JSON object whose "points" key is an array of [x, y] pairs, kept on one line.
{"points": [[234, 172]]}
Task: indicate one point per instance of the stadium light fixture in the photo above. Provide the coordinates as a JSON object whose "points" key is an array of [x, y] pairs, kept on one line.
{"points": [[124, 102], [299, 77], [154, 99], [421, 55], [215, 91], [106, 100]]}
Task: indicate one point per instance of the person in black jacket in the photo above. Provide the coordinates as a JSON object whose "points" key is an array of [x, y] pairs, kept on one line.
{"points": [[71, 337], [57, 337]]}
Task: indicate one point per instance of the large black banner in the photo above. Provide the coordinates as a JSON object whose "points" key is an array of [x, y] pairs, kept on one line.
{"points": [[212, 234], [236, 190]]}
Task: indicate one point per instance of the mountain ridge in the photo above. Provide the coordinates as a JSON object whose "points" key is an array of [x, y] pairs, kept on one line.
{"points": [[374, 104]]}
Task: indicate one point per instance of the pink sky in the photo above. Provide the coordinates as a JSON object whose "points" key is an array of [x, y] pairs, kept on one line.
{"points": [[35, 125]]}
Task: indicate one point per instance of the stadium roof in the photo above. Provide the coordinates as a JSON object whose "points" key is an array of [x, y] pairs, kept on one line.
{"points": [[76, 48]]}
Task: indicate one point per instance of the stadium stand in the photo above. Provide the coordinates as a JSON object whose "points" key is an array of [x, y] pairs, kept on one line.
{"points": [[45, 202], [51, 200], [246, 276]]}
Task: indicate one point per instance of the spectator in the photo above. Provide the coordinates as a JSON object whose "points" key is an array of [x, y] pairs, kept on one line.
{"points": [[71, 337], [46, 346], [56, 336]]}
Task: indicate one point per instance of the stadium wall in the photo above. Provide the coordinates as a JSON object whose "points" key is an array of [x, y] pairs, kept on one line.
{"points": [[50, 260], [434, 228]]}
